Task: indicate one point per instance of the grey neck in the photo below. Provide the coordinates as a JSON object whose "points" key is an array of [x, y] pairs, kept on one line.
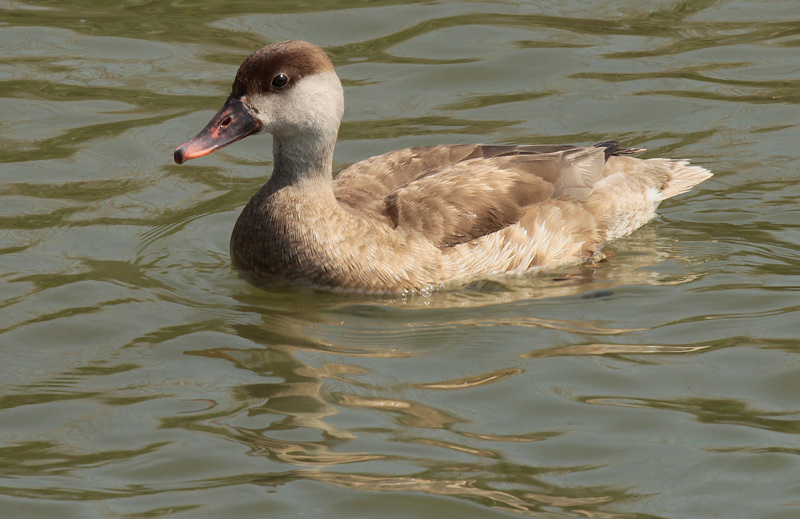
{"points": [[302, 160]]}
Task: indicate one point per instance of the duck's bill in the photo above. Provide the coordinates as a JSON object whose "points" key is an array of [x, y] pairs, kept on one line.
{"points": [[232, 122]]}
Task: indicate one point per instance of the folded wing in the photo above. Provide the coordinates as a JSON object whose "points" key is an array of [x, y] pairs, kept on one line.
{"points": [[455, 194]]}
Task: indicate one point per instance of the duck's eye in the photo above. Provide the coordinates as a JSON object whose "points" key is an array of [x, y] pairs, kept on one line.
{"points": [[280, 81]]}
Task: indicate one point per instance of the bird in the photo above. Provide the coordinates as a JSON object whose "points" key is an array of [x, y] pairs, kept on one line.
{"points": [[418, 218]]}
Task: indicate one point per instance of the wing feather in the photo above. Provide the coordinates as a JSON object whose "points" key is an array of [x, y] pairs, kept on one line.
{"points": [[454, 194]]}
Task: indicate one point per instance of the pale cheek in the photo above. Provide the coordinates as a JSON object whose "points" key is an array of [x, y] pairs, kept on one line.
{"points": [[316, 103]]}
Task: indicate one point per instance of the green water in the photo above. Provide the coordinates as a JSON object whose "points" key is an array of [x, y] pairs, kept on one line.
{"points": [[141, 378]]}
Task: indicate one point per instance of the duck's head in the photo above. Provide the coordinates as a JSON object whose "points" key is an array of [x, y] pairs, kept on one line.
{"points": [[288, 89]]}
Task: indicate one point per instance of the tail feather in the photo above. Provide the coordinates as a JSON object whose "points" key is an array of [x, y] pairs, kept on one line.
{"points": [[627, 197], [683, 177]]}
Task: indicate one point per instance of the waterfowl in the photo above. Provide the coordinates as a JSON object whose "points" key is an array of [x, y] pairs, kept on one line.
{"points": [[418, 217]]}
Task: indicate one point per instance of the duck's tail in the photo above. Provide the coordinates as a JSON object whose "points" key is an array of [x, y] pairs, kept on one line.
{"points": [[628, 195], [682, 177]]}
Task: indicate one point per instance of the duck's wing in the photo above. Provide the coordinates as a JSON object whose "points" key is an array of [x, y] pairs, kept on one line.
{"points": [[454, 194], [371, 180]]}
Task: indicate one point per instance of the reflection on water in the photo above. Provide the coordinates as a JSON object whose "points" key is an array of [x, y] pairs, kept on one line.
{"points": [[611, 349], [301, 403], [142, 378]]}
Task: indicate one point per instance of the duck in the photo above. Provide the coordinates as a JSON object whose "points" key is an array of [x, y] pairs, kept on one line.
{"points": [[417, 218]]}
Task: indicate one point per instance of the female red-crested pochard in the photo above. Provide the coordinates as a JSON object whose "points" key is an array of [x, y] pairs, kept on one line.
{"points": [[419, 217]]}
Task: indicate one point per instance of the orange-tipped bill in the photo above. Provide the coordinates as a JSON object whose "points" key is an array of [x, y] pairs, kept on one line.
{"points": [[232, 122]]}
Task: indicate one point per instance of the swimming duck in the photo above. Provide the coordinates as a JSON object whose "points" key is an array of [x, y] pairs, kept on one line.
{"points": [[419, 217]]}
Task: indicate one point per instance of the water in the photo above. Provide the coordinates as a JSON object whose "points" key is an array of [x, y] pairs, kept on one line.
{"points": [[141, 378]]}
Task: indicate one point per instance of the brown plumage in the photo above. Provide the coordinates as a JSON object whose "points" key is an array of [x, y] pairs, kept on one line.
{"points": [[418, 217]]}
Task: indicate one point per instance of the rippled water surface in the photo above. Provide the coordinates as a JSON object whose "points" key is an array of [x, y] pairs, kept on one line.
{"points": [[141, 378]]}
